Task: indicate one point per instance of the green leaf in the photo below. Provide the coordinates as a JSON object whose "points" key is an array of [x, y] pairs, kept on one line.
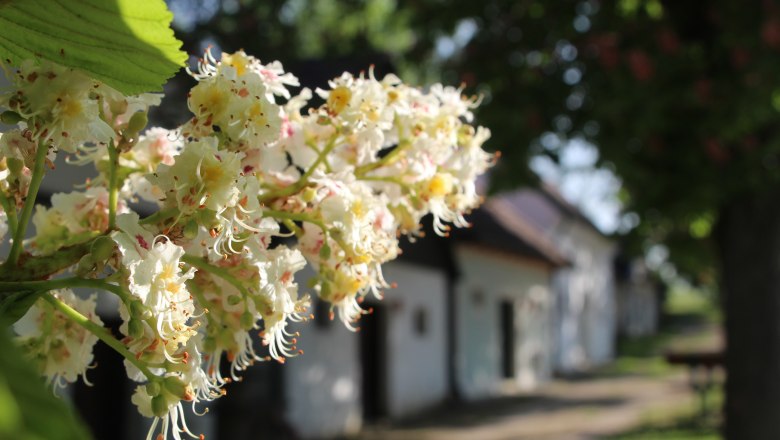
{"points": [[15, 306], [128, 44], [28, 409]]}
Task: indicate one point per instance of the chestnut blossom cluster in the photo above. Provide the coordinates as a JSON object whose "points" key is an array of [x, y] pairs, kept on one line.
{"points": [[254, 187]]}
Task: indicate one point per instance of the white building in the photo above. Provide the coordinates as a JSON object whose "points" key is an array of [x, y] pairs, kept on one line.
{"points": [[504, 315], [393, 367], [585, 303], [638, 300], [471, 316]]}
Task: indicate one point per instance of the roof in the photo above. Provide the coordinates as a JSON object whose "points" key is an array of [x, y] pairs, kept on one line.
{"points": [[495, 225], [553, 195]]}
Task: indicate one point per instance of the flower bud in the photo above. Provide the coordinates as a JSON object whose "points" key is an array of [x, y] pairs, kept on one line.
{"points": [[325, 290], [233, 299], [226, 338], [135, 328], [159, 405], [209, 344], [191, 229], [308, 194], [177, 387], [139, 310], [137, 123], [118, 107], [207, 218], [85, 266], [102, 249], [15, 166], [10, 117], [153, 388], [325, 251], [247, 321]]}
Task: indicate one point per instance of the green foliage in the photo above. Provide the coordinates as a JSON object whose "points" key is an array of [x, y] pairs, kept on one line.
{"points": [[306, 29], [28, 409], [14, 306], [680, 422], [128, 44]]}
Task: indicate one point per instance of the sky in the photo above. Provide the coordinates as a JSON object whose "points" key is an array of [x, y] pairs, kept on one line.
{"points": [[593, 190]]}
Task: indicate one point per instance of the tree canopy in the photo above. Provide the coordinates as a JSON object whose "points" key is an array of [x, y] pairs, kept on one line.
{"points": [[681, 98]]}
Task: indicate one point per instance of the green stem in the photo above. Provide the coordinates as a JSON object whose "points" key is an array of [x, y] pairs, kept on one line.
{"points": [[389, 179], [61, 283], [43, 267], [292, 227], [201, 264], [361, 171], [113, 183], [295, 216], [29, 204], [301, 217], [304, 180], [159, 215], [101, 332], [10, 212]]}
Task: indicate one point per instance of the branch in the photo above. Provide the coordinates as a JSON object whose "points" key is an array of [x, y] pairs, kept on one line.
{"points": [[7, 287], [10, 212], [202, 264], [304, 180], [29, 204], [101, 332], [113, 181]]}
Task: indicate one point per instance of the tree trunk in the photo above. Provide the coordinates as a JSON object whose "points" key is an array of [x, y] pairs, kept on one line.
{"points": [[748, 236]]}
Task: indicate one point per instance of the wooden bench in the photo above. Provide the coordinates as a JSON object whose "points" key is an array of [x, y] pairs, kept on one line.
{"points": [[701, 365]]}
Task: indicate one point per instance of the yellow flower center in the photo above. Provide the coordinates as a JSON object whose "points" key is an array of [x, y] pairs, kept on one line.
{"points": [[168, 271], [440, 184], [211, 173], [173, 287], [69, 107], [237, 61], [357, 208], [257, 114], [347, 284], [338, 99]]}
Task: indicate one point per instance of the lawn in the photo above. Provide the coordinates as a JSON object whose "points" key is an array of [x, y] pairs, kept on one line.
{"points": [[691, 322]]}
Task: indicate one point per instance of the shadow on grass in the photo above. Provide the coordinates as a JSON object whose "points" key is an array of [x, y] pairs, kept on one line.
{"points": [[685, 428], [484, 412], [680, 423]]}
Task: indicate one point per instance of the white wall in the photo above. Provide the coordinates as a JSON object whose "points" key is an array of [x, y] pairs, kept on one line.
{"points": [[638, 303], [585, 299], [323, 385], [486, 280], [417, 370]]}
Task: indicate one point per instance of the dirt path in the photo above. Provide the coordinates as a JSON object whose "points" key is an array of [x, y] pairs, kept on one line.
{"points": [[562, 410]]}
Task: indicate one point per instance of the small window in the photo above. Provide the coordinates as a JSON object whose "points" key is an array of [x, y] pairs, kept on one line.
{"points": [[421, 321]]}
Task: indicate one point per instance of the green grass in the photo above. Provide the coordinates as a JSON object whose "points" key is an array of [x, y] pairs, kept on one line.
{"points": [[690, 323], [684, 301], [680, 423]]}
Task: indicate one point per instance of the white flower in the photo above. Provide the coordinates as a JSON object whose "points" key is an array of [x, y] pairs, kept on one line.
{"points": [[60, 105], [202, 176], [157, 280], [278, 300], [61, 348], [165, 408], [155, 147], [236, 97], [73, 218]]}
